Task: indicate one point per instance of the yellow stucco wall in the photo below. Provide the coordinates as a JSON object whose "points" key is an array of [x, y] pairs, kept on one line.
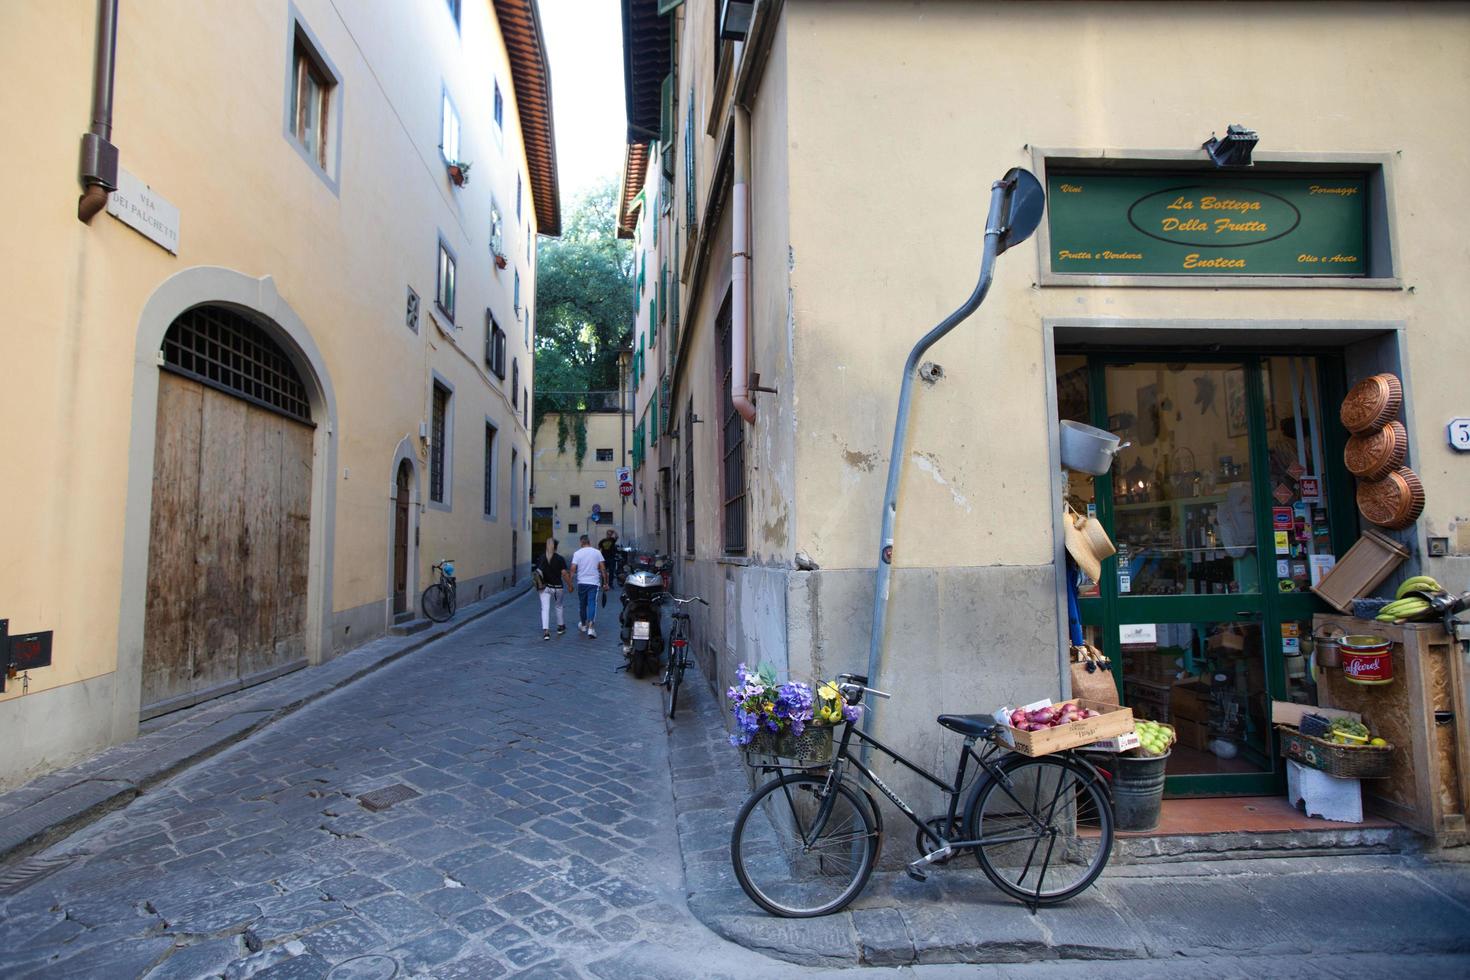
{"points": [[557, 477], [199, 115], [889, 186]]}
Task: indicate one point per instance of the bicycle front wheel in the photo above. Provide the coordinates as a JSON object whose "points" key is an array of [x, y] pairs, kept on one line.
{"points": [[1045, 829], [438, 603], [800, 852]]}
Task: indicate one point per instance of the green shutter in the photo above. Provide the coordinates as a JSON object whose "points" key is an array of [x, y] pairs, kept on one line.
{"points": [[666, 114], [689, 190], [664, 6], [653, 419]]}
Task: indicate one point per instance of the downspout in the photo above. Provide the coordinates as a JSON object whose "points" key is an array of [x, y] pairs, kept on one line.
{"points": [[98, 172], [740, 271]]}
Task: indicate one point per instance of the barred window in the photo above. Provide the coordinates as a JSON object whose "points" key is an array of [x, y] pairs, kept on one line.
{"points": [[436, 444], [489, 470], [732, 443], [226, 350], [689, 479]]}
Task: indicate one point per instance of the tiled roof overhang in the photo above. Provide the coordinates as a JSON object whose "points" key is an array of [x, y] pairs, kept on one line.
{"points": [[520, 27], [635, 172], [647, 47]]}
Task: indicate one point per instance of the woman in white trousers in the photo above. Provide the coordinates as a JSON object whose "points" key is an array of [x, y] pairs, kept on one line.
{"points": [[552, 574]]}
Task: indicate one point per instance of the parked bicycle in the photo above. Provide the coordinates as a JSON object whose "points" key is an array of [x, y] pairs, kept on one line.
{"points": [[442, 598], [678, 650], [1041, 828]]}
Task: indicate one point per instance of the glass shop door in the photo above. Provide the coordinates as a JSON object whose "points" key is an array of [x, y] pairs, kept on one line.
{"points": [[1221, 510]]}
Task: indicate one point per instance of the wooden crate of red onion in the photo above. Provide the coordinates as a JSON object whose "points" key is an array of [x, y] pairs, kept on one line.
{"points": [[1065, 726]]}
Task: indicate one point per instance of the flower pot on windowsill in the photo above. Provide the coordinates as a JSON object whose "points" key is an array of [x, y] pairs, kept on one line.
{"points": [[499, 261], [459, 173]]}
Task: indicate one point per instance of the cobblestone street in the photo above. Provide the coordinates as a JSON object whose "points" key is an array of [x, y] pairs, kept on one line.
{"points": [[540, 840]]}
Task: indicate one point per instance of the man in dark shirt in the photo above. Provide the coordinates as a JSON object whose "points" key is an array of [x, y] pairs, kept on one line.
{"points": [[552, 575], [609, 548]]}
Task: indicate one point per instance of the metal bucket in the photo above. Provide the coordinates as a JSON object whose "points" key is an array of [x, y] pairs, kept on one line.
{"points": [[1138, 791], [1087, 449]]}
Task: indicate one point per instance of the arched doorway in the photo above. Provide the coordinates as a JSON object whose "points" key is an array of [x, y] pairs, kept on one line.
{"points": [[229, 531], [401, 503]]}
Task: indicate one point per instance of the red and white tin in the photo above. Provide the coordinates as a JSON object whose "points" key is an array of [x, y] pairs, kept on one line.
{"points": [[1366, 659]]}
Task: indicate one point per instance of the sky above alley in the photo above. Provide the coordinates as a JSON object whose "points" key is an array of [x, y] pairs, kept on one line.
{"points": [[584, 42]]}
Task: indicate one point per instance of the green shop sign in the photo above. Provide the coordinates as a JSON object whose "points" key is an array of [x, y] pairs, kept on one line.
{"points": [[1208, 224]]}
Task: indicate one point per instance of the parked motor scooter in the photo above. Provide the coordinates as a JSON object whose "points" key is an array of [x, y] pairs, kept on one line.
{"points": [[641, 632]]}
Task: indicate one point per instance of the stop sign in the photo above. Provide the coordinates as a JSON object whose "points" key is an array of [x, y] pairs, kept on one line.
{"points": [[626, 489]]}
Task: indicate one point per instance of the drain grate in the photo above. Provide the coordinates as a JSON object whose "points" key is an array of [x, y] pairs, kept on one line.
{"points": [[382, 799], [373, 966], [27, 873]]}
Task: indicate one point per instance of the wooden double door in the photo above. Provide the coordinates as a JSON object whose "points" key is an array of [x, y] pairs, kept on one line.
{"points": [[228, 545]]}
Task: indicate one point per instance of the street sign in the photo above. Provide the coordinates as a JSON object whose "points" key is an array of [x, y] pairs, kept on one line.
{"points": [[1459, 433], [625, 475], [626, 489]]}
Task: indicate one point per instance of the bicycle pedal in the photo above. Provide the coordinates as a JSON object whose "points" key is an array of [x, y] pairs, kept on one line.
{"points": [[916, 874]]}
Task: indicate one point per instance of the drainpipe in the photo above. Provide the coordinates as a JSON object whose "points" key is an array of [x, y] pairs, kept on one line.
{"points": [[98, 174], [740, 272]]}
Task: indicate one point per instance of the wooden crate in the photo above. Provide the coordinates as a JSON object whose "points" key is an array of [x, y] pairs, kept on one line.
{"points": [[1428, 788], [1111, 721]]}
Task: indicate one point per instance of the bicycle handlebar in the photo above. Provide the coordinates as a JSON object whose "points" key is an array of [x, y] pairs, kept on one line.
{"points": [[693, 598], [858, 683]]}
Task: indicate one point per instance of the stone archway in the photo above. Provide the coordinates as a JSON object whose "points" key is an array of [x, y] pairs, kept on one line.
{"points": [[257, 301]]}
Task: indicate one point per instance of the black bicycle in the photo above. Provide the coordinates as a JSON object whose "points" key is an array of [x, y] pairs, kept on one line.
{"points": [[1041, 828], [442, 598], [678, 650]]}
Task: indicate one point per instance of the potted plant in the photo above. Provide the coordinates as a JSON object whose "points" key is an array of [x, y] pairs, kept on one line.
{"points": [[499, 261], [459, 172], [789, 720]]}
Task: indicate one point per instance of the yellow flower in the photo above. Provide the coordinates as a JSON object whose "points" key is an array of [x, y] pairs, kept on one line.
{"points": [[828, 691], [769, 706]]}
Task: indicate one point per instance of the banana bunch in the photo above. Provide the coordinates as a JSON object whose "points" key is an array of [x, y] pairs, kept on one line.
{"points": [[1407, 606]]}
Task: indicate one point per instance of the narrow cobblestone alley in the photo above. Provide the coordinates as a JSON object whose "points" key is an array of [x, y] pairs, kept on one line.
{"points": [[539, 839]]}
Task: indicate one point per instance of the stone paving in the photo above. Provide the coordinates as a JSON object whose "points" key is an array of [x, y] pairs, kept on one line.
{"points": [[540, 841]]}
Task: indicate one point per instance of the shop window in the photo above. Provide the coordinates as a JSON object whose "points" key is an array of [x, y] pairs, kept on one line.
{"points": [[732, 444], [444, 293], [604, 455]]}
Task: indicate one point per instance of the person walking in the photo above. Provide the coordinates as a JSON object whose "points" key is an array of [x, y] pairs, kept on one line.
{"points": [[609, 548], [552, 574], [590, 572]]}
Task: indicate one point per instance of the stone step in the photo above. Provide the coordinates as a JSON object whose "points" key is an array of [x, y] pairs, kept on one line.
{"points": [[1235, 845], [410, 627]]}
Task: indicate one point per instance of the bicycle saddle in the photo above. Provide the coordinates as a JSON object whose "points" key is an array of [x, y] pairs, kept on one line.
{"points": [[980, 725]]}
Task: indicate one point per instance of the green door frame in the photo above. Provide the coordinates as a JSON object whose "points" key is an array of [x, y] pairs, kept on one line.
{"points": [[1267, 607]]}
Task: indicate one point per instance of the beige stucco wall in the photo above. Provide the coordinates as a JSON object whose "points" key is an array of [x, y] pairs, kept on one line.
{"points": [[200, 104], [889, 187], [557, 477], [877, 129]]}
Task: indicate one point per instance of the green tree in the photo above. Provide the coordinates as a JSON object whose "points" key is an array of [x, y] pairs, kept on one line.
{"points": [[585, 313]]}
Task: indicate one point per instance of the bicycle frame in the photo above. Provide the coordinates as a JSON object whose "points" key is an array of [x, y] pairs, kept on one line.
{"points": [[843, 757]]}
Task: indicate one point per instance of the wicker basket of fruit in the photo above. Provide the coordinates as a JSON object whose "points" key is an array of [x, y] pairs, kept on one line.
{"points": [[1345, 749]]}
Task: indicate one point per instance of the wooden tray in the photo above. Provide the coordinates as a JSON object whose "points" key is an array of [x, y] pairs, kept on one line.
{"points": [[1112, 720]]}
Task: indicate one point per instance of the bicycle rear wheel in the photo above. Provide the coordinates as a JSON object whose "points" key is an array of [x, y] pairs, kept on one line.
{"points": [[677, 664], [1045, 829], [438, 603], [791, 861]]}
